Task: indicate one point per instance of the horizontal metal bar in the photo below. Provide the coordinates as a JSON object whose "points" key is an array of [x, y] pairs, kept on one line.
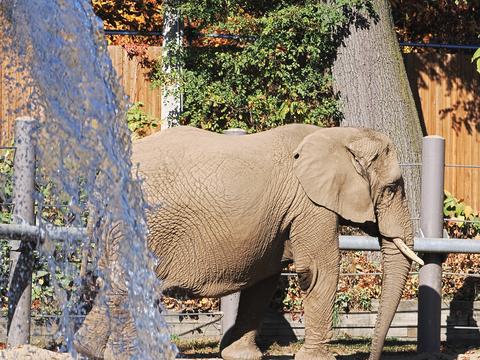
{"points": [[440, 46], [462, 166], [431, 245], [446, 165], [411, 273], [436, 245], [359, 243], [252, 38], [34, 233], [445, 273], [460, 220], [410, 164], [133, 33]]}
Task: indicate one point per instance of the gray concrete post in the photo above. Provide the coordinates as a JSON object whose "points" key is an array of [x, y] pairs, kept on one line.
{"points": [[431, 223], [172, 103], [229, 303], [21, 253]]}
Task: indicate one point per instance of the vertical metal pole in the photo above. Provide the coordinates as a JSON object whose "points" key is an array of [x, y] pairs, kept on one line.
{"points": [[229, 303], [21, 253], [229, 307], [431, 223]]}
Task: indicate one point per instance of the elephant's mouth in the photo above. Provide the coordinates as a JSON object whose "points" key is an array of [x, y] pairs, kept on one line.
{"points": [[405, 250]]}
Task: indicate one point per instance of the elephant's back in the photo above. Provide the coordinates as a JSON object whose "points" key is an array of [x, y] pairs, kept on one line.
{"points": [[198, 162], [147, 151], [183, 142], [186, 141], [226, 167]]}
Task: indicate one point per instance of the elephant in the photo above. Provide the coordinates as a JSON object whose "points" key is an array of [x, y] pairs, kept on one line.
{"points": [[230, 208]]}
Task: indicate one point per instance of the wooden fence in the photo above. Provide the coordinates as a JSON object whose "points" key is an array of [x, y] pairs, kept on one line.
{"points": [[133, 74], [134, 77], [14, 95], [446, 88]]}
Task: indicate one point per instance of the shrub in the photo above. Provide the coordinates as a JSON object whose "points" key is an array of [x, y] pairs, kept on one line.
{"points": [[139, 123], [277, 72]]}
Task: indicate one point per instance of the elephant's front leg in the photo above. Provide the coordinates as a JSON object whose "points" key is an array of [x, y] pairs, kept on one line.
{"points": [[316, 256], [121, 342], [239, 342]]}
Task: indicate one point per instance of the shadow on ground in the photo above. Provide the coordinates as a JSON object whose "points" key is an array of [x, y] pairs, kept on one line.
{"points": [[354, 349]]}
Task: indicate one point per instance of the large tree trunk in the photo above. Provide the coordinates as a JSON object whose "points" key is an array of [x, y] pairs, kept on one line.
{"points": [[370, 76]]}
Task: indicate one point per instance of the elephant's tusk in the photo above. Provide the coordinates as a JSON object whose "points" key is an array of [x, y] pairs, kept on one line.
{"points": [[407, 251]]}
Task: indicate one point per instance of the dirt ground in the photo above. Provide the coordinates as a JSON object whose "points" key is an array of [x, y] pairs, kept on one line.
{"points": [[349, 349], [274, 352], [27, 352]]}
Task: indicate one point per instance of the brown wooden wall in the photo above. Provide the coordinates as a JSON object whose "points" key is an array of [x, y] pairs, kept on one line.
{"points": [[446, 88], [447, 92], [14, 95], [134, 77]]}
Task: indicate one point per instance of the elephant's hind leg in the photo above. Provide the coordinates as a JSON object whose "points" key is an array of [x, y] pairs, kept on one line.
{"points": [[239, 342]]}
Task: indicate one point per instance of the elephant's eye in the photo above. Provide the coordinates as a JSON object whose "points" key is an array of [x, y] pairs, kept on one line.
{"points": [[390, 190]]}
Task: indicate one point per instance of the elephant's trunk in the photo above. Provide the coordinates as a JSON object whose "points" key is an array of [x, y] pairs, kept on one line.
{"points": [[395, 271]]}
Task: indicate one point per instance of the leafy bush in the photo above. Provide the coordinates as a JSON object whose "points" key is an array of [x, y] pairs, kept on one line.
{"points": [[276, 73], [476, 58], [139, 123], [6, 188], [466, 222]]}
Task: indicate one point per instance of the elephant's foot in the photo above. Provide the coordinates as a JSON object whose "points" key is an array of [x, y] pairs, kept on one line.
{"points": [[91, 339], [120, 345], [86, 343], [115, 351], [314, 354], [243, 349]]}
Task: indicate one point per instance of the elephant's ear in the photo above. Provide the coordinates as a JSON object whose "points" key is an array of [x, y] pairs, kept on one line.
{"points": [[331, 165]]}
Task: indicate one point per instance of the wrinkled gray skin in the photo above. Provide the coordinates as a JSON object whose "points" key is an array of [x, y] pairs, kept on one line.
{"points": [[227, 206]]}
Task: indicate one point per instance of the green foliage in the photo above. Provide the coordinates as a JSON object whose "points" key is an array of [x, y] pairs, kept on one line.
{"points": [[281, 76], [342, 304], [6, 189], [6, 186], [140, 123], [476, 58], [466, 221]]}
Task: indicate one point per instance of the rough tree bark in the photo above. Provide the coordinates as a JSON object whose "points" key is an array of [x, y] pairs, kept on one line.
{"points": [[370, 76]]}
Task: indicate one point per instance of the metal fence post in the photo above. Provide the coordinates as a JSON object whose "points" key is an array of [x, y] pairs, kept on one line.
{"points": [[229, 303], [21, 253], [431, 223]]}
